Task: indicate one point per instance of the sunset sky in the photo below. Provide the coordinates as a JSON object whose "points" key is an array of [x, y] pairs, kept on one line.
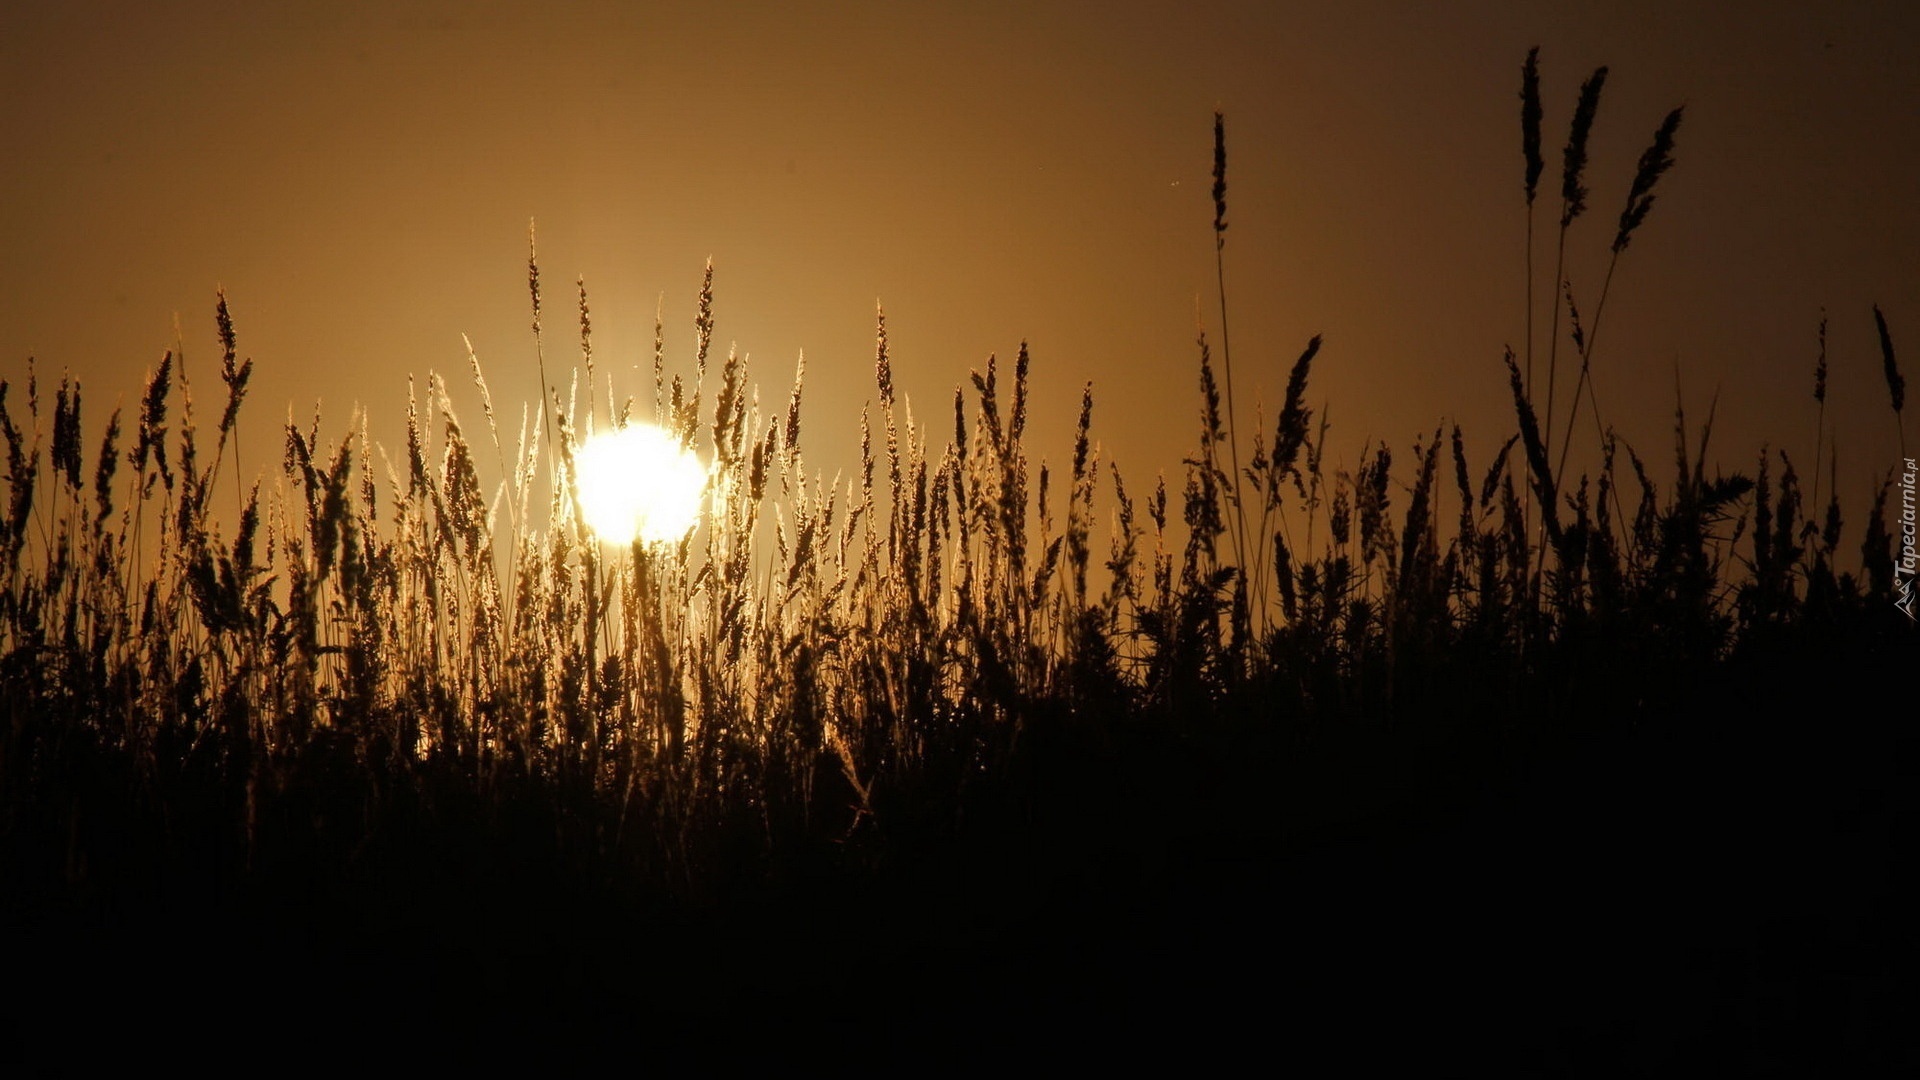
{"points": [[360, 178]]}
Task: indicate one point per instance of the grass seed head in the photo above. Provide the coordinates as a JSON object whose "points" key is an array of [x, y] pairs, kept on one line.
{"points": [[1530, 121], [1573, 192], [1654, 163], [1896, 386], [1219, 180], [1820, 364]]}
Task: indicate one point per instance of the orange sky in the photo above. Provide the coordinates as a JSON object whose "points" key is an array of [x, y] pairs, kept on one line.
{"points": [[359, 177]]}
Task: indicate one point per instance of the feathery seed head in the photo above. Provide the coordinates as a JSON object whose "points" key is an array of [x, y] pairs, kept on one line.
{"points": [[882, 365], [1530, 120], [1896, 386], [1017, 423], [104, 469], [703, 322], [1820, 365], [792, 440], [66, 432], [225, 323], [1573, 193], [1573, 315], [533, 277], [1219, 179], [1657, 159]]}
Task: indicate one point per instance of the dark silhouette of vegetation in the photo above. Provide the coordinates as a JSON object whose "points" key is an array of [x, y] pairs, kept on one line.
{"points": [[840, 723]]}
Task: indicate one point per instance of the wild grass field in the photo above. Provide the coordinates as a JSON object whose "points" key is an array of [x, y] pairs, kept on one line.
{"points": [[1461, 752]]}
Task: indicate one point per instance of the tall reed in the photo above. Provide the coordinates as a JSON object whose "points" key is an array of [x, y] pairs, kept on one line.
{"points": [[1654, 163], [1226, 354], [825, 663], [1573, 202]]}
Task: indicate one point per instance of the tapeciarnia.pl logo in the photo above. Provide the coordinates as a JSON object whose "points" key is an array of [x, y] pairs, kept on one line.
{"points": [[1903, 564]]}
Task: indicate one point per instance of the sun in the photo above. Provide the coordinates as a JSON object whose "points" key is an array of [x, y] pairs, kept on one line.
{"points": [[639, 483]]}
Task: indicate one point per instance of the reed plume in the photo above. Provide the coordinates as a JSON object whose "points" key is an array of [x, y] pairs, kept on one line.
{"points": [[1896, 386], [1654, 163], [1573, 191], [1535, 446], [236, 377], [1530, 121], [539, 350], [65, 455], [586, 353], [1219, 180]]}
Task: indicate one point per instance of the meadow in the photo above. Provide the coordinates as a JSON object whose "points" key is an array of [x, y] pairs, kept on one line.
{"points": [[1459, 752]]}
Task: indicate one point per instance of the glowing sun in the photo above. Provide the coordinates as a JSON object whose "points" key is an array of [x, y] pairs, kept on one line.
{"points": [[639, 483]]}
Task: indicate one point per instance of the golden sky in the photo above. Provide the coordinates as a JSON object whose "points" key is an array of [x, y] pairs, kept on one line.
{"points": [[360, 177]]}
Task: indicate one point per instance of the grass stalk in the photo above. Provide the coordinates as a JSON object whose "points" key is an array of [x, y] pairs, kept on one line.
{"points": [[1226, 349]]}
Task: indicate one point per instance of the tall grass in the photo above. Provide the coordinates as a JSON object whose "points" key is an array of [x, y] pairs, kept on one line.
{"points": [[826, 661]]}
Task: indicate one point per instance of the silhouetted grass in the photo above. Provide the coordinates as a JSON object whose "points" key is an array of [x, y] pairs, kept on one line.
{"points": [[844, 718]]}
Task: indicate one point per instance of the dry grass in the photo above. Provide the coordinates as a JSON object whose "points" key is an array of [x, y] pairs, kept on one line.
{"points": [[902, 630], [823, 662]]}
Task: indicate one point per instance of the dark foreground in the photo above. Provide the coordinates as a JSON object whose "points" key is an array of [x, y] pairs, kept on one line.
{"points": [[1710, 889]]}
